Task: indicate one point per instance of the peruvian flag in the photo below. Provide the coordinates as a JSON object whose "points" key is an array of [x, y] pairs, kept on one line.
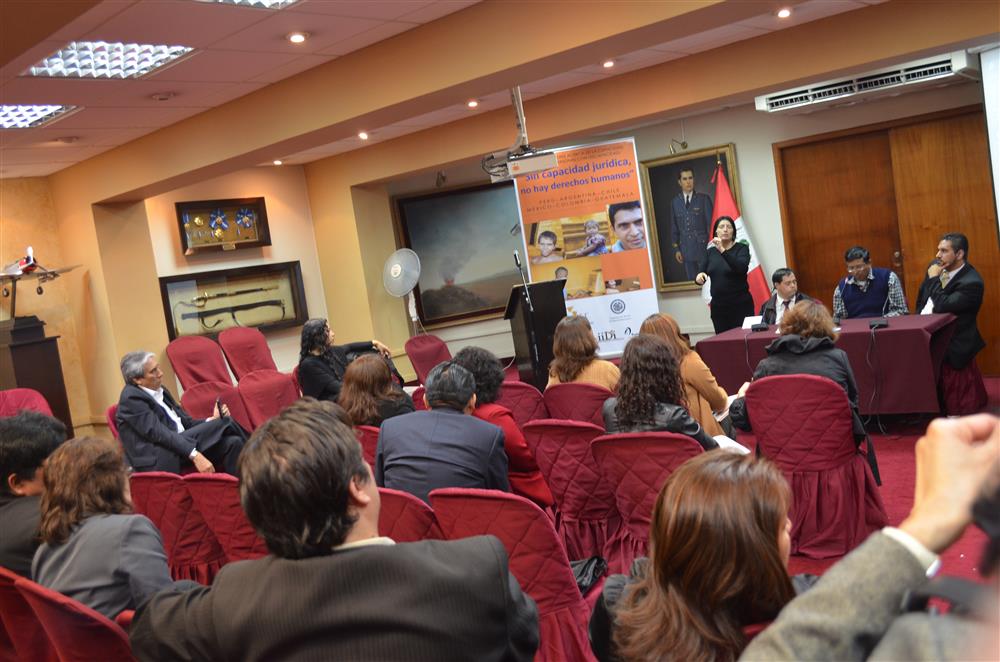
{"points": [[725, 205]]}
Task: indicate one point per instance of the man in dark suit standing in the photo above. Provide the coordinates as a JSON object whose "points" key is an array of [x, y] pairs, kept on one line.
{"points": [[332, 589], [690, 221], [444, 446], [954, 286], [160, 436], [786, 294]]}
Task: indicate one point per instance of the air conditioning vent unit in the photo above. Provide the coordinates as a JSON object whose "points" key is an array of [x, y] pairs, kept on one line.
{"points": [[945, 69]]}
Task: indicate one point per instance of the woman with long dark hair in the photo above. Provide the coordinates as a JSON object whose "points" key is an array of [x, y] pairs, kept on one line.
{"points": [[575, 349], [368, 394], [704, 395], [719, 544], [726, 263], [651, 393], [322, 364], [94, 549]]}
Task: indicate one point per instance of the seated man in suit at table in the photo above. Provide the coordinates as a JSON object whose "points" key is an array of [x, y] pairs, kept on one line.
{"points": [[954, 286], [158, 435], [332, 588], [867, 291], [445, 446], [786, 294]]}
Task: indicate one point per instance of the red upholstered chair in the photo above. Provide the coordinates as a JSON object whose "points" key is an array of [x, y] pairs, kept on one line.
{"points": [[199, 401], [265, 393], [635, 466], [13, 400], [524, 401], [217, 498], [109, 415], [405, 518], [577, 402], [511, 374], [193, 551], [426, 351], [77, 632], [803, 424], [418, 399], [22, 636], [368, 436], [537, 560], [197, 359], [295, 379], [246, 350], [587, 517]]}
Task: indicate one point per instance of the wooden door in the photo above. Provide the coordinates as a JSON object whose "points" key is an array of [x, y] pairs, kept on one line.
{"points": [[836, 193], [941, 172]]}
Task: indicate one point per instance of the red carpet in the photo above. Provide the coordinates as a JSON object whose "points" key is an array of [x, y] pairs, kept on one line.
{"points": [[898, 469]]}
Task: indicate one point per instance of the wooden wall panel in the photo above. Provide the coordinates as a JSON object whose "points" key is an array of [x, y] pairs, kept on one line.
{"points": [[835, 194], [941, 171]]}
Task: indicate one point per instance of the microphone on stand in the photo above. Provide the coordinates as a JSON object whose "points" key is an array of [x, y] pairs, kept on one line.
{"points": [[524, 281]]}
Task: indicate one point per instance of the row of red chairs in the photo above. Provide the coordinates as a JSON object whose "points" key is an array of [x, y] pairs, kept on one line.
{"points": [[15, 400], [198, 359]]}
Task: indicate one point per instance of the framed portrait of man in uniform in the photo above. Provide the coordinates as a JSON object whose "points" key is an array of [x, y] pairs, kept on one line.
{"points": [[680, 196]]}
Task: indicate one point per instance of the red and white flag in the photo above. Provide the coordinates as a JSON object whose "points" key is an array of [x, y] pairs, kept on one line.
{"points": [[725, 205]]}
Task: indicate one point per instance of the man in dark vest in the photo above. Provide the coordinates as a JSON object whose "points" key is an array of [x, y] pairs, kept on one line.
{"points": [[867, 291]]}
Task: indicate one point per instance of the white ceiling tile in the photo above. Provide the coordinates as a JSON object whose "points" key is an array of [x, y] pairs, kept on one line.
{"points": [[125, 117], [802, 13], [367, 38], [42, 136], [34, 170], [710, 39], [383, 10], [228, 92], [296, 66], [437, 10], [224, 66], [103, 93], [269, 34], [49, 154]]}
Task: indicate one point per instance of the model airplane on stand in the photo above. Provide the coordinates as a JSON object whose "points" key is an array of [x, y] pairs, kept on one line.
{"points": [[26, 267]]}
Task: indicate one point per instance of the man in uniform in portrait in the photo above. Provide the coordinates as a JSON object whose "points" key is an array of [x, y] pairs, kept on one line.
{"points": [[690, 220]]}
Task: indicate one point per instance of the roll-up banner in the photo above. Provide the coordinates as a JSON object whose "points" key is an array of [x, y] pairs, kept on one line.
{"points": [[584, 221]]}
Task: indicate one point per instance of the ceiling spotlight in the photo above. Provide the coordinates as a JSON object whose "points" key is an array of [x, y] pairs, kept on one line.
{"points": [[472, 103], [162, 96], [363, 135], [276, 162], [297, 37], [608, 64], [680, 143], [784, 12]]}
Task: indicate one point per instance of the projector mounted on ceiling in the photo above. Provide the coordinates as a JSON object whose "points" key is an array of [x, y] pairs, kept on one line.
{"points": [[520, 158], [945, 69]]}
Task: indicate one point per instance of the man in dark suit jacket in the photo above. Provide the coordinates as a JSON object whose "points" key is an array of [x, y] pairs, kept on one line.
{"points": [[445, 446], [160, 436], [690, 221], [786, 294], [331, 588]]}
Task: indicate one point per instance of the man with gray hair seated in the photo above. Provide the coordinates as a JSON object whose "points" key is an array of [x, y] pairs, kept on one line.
{"points": [[444, 446], [160, 436]]}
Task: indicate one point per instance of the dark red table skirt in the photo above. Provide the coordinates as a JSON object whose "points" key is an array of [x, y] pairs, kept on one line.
{"points": [[897, 371]]}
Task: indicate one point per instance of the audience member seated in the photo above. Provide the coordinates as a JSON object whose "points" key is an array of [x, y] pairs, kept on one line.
{"points": [[704, 395], [25, 441], [368, 393], [322, 364], [872, 604], [651, 393], [575, 350], [719, 544], [331, 588], [158, 435], [443, 446], [522, 470], [804, 348], [94, 549]]}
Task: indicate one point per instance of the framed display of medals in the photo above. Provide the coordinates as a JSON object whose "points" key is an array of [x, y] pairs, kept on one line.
{"points": [[223, 224]]}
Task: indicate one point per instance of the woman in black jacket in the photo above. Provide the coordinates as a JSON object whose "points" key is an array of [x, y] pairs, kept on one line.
{"points": [[322, 364], [651, 393], [726, 263]]}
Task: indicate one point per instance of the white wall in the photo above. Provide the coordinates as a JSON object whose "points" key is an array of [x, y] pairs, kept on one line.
{"points": [[292, 238]]}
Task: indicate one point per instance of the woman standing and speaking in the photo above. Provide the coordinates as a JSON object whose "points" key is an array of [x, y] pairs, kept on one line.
{"points": [[726, 263]]}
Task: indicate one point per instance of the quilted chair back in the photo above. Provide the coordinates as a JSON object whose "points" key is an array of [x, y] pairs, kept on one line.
{"points": [[14, 400], [199, 401], [368, 436], [577, 402], [405, 518], [265, 393], [246, 350], [217, 498], [197, 359], [77, 632], [537, 560], [426, 351], [635, 465], [109, 416], [524, 401], [587, 516], [803, 423], [193, 551], [22, 636]]}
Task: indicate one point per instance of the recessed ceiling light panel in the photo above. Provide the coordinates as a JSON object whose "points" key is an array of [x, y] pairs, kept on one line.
{"points": [[259, 4], [110, 60], [27, 117]]}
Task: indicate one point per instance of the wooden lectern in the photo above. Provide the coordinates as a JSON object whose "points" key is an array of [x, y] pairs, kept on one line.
{"points": [[533, 331], [30, 360]]}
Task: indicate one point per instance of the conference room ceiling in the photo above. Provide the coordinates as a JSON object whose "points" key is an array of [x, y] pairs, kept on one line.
{"points": [[239, 50]]}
